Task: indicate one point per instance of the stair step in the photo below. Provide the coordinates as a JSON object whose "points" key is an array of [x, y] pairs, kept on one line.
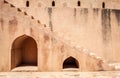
{"points": [[116, 65]]}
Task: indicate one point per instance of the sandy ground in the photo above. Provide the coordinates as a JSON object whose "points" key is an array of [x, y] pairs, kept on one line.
{"points": [[107, 74]]}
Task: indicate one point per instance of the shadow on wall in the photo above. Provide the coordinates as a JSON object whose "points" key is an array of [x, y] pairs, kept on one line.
{"points": [[24, 52], [70, 62]]}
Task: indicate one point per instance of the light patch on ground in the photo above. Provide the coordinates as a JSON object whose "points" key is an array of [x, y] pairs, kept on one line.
{"points": [[110, 74]]}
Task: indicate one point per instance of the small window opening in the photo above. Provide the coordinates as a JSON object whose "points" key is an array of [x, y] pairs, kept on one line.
{"points": [[78, 3], [53, 3], [25, 13], [70, 63], [103, 5], [12, 5], [27, 3], [19, 9], [5, 1]]}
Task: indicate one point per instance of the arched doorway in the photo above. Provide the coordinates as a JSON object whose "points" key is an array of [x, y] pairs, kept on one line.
{"points": [[70, 62], [24, 52]]}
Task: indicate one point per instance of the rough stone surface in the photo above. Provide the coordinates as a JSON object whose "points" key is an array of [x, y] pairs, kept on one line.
{"points": [[60, 75], [49, 43]]}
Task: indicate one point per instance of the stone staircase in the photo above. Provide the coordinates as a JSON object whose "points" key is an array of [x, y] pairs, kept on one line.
{"points": [[25, 13], [105, 65], [116, 65]]}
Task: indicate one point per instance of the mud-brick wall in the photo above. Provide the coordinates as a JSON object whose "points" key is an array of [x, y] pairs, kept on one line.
{"points": [[62, 51], [94, 29], [15, 27], [115, 28], [85, 26], [37, 4]]}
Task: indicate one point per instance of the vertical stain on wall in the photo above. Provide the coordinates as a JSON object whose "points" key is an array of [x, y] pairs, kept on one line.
{"points": [[95, 11], [50, 18], [84, 11], [2, 23], [53, 40], [46, 49], [64, 4], [62, 48], [39, 4], [31, 31], [106, 25], [74, 12], [13, 26], [99, 64], [46, 37], [117, 14]]}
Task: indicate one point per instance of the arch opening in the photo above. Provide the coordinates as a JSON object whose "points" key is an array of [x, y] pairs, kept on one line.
{"points": [[103, 5], [70, 62], [53, 3], [27, 3], [24, 52], [78, 3]]}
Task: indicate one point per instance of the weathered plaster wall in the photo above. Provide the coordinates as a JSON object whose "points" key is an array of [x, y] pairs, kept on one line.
{"points": [[115, 26], [61, 51], [94, 29], [90, 28], [112, 4], [13, 25], [86, 26]]}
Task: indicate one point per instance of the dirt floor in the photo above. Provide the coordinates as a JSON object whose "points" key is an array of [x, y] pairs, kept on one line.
{"points": [[107, 74]]}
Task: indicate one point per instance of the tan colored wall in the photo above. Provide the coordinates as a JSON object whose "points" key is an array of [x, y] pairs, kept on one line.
{"points": [[84, 28], [84, 24], [13, 25], [115, 26], [94, 29], [66, 25], [111, 4], [61, 51]]}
